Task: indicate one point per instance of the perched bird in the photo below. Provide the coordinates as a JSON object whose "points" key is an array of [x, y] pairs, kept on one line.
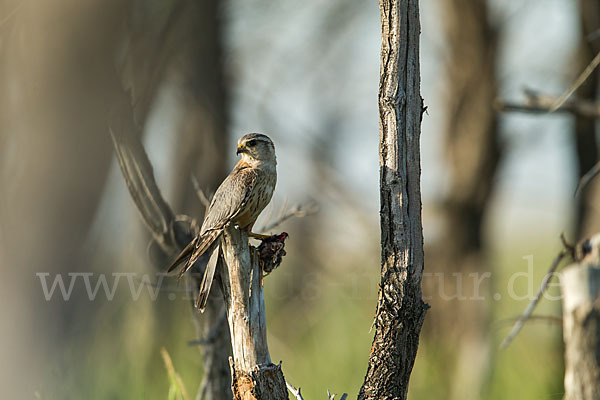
{"points": [[239, 200]]}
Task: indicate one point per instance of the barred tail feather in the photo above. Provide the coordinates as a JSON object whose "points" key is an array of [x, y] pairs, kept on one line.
{"points": [[207, 279], [205, 241]]}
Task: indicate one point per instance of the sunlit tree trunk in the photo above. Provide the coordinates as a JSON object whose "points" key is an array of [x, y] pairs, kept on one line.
{"points": [[400, 309]]}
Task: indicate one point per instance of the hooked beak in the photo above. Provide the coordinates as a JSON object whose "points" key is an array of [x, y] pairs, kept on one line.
{"points": [[240, 149]]}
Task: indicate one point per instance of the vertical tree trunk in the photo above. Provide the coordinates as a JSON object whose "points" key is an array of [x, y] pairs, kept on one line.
{"points": [[588, 208], [458, 327], [201, 148], [58, 86], [580, 285], [182, 48], [400, 308]]}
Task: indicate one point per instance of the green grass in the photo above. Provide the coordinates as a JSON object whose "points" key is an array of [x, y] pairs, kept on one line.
{"points": [[318, 326]]}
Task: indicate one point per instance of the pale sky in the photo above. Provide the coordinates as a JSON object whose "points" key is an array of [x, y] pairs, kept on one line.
{"points": [[291, 81]]}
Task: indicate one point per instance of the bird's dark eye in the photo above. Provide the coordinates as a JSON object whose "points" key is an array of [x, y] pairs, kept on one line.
{"points": [[252, 142]]}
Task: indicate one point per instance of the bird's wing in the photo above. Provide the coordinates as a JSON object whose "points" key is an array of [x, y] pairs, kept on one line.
{"points": [[231, 196], [229, 199], [204, 243]]}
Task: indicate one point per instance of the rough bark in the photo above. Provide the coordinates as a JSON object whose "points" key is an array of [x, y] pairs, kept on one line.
{"points": [[458, 326], [400, 308], [253, 374], [580, 285]]}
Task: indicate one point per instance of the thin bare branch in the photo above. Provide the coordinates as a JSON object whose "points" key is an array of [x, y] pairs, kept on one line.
{"points": [[542, 104], [331, 396], [578, 82], [139, 177], [530, 307], [543, 318], [587, 178], [10, 14], [300, 210], [295, 392], [570, 247], [200, 193]]}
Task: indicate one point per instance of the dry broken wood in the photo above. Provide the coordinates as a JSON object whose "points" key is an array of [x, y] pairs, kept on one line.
{"points": [[580, 285], [295, 392], [254, 376]]}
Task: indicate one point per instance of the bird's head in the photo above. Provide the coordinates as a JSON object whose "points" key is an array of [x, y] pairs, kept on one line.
{"points": [[256, 148]]}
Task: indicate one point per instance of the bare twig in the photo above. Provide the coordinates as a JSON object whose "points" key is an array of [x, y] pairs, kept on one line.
{"points": [[570, 247], [295, 392], [331, 396], [544, 318], [542, 104], [10, 14], [587, 178], [578, 82], [200, 193], [529, 309], [139, 177], [300, 210]]}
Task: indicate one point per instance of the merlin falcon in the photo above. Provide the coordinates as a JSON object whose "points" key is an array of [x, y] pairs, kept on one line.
{"points": [[239, 200]]}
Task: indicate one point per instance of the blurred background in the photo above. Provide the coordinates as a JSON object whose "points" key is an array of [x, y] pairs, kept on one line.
{"points": [[497, 187]]}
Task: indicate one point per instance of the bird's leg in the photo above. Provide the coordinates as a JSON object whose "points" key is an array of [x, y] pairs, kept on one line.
{"points": [[259, 236]]}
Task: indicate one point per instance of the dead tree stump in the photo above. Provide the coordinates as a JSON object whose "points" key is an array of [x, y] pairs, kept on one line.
{"points": [[254, 376]]}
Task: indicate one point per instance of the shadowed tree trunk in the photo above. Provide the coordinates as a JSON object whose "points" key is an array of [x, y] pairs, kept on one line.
{"points": [[180, 48], [458, 325], [58, 87], [588, 207], [201, 148], [400, 309]]}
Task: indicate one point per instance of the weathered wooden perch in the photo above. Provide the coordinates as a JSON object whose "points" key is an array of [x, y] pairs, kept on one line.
{"points": [[580, 285], [254, 376]]}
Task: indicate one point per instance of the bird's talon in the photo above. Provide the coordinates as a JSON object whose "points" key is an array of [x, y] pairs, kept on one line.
{"points": [[258, 236]]}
